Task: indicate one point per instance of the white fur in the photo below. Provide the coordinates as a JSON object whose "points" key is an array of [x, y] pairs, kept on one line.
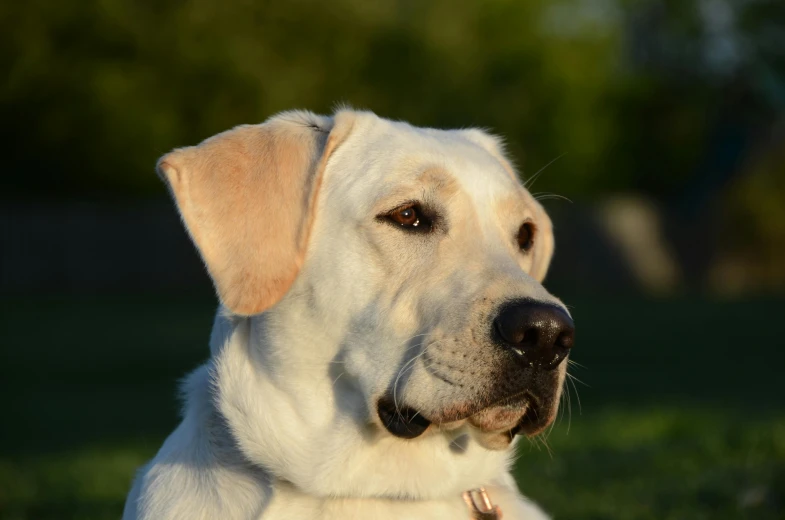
{"points": [[280, 422]]}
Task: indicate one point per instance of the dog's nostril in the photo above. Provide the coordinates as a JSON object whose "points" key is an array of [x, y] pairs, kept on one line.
{"points": [[530, 338], [565, 339], [541, 333]]}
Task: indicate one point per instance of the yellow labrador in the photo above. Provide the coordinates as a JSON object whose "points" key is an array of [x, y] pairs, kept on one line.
{"points": [[383, 336]]}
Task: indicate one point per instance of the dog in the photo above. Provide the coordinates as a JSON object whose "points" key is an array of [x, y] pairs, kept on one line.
{"points": [[383, 337]]}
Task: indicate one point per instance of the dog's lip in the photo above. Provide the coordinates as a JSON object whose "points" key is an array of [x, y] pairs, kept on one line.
{"points": [[519, 414], [400, 420], [530, 423], [514, 414]]}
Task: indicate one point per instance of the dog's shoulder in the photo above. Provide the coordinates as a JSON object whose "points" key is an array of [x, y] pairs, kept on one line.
{"points": [[198, 472]]}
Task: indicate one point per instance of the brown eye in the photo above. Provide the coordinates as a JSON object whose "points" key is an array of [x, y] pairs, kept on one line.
{"points": [[409, 217], [526, 236], [406, 217]]}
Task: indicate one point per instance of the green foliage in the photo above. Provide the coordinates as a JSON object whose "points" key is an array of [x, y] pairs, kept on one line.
{"points": [[97, 90]]}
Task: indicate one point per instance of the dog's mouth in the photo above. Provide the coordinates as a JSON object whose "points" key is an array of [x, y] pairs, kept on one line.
{"points": [[400, 420], [498, 423]]}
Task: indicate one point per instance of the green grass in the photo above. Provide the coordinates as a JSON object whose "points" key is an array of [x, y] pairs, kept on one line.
{"points": [[682, 415], [664, 463]]}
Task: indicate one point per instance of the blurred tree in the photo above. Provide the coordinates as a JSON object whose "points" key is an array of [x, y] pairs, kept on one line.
{"points": [[631, 94], [97, 90]]}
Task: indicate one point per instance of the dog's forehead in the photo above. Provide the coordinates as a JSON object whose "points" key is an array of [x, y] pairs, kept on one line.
{"points": [[383, 155]]}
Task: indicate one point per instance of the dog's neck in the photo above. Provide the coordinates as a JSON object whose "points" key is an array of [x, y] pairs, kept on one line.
{"points": [[306, 434]]}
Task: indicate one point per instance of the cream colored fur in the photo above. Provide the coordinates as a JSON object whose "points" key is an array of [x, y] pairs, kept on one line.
{"points": [[323, 307]]}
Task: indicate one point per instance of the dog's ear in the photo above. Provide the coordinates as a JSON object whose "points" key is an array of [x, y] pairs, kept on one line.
{"points": [[543, 251], [247, 197], [493, 145]]}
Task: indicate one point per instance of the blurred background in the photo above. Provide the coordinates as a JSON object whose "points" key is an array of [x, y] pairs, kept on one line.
{"points": [[652, 131]]}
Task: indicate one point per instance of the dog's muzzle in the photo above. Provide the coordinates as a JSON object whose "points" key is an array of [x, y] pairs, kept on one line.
{"points": [[507, 419], [534, 338]]}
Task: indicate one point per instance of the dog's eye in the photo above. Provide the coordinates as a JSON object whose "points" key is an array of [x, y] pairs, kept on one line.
{"points": [[410, 217], [526, 236]]}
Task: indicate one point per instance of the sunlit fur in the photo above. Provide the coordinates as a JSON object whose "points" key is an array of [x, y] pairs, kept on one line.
{"points": [[280, 422]]}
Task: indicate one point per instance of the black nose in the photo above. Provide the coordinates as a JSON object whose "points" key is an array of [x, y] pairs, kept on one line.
{"points": [[538, 333]]}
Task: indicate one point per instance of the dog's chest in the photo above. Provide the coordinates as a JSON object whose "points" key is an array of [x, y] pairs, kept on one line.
{"points": [[291, 504]]}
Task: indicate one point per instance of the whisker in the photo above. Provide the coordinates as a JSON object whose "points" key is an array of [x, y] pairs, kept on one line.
{"points": [[577, 396], [547, 446], [530, 181], [578, 380], [418, 411], [560, 414], [540, 439], [548, 431], [409, 364], [414, 345], [569, 408], [398, 377], [337, 378], [516, 456], [550, 196], [400, 370]]}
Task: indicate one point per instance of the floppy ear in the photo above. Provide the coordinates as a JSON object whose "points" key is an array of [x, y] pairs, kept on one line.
{"points": [[247, 197], [493, 145]]}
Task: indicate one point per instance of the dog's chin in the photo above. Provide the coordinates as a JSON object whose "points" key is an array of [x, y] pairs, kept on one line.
{"points": [[494, 427]]}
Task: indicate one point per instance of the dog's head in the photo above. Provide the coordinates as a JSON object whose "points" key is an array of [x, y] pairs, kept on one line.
{"points": [[401, 265]]}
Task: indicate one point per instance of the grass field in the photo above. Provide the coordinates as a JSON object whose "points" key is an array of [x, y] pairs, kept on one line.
{"points": [[681, 414]]}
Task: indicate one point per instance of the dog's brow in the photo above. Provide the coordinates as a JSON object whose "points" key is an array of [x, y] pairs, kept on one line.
{"points": [[439, 179], [431, 181]]}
